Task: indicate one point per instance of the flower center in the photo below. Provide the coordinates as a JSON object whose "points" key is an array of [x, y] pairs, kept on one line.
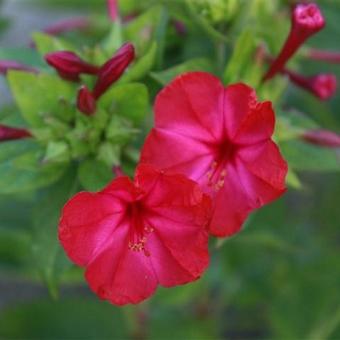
{"points": [[224, 154], [138, 229]]}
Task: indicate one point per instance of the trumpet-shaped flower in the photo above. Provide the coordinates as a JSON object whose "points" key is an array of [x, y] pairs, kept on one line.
{"points": [[133, 236], [221, 138]]}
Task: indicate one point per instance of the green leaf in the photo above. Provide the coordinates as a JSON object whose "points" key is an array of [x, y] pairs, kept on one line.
{"points": [[130, 101], [304, 156], [25, 55], [39, 96], [76, 318], [49, 259], [115, 38], [293, 180], [142, 66], [141, 30], [21, 168], [94, 174], [57, 152], [46, 43], [196, 64], [242, 57]]}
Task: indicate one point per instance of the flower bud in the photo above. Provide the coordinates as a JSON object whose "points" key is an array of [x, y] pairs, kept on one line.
{"points": [[113, 9], [113, 69], [10, 133], [68, 25], [69, 65], [322, 86], [86, 103], [322, 137], [306, 20], [7, 65], [321, 55]]}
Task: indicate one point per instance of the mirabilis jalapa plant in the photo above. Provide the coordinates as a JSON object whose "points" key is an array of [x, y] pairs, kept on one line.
{"points": [[210, 160]]}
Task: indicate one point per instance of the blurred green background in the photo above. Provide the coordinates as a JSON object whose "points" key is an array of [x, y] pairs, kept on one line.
{"points": [[279, 278]]}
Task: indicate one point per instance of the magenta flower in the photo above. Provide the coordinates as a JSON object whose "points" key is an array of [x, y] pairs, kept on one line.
{"points": [[220, 137], [306, 20]]}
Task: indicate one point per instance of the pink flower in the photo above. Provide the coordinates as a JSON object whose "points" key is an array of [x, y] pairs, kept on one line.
{"points": [[69, 65], [322, 86], [86, 103], [221, 138], [113, 69], [307, 20], [133, 236], [322, 138], [7, 65], [10, 133]]}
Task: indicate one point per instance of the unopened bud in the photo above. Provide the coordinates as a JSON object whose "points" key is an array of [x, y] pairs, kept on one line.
{"points": [[113, 69], [307, 20], [10, 133], [86, 103], [69, 65], [322, 138]]}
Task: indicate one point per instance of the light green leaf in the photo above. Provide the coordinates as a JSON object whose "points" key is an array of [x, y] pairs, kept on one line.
{"points": [[50, 259], [39, 96], [304, 156], [94, 174], [127, 100], [242, 57], [46, 43], [142, 66], [293, 180], [21, 168], [141, 30], [197, 64]]}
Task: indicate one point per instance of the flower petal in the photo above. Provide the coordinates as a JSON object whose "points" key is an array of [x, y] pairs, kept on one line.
{"points": [[191, 105], [231, 206], [176, 153], [88, 219], [257, 126], [120, 275], [266, 163], [179, 252], [239, 101]]}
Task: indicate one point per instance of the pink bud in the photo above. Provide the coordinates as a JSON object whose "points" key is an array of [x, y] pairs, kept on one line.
{"points": [[306, 20], [322, 85], [7, 65], [69, 65], [86, 103], [321, 55], [68, 25], [322, 137], [10, 133], [113, 69], [113, 9]]}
